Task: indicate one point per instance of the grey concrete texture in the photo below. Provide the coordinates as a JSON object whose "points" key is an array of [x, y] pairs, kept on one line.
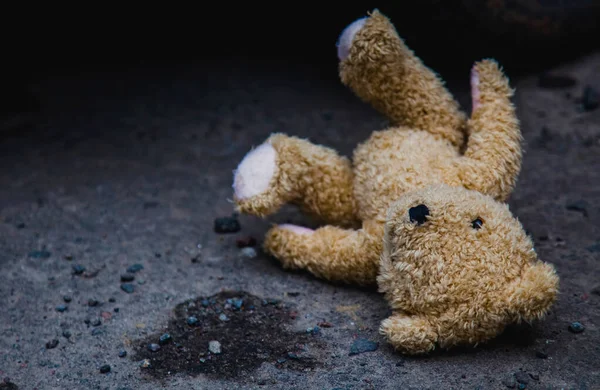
{"points": [[133, 168]]}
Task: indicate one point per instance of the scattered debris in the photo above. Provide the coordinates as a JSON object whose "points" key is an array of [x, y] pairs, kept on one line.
{"points": [[192, 321], [135, 268], [248, 252], [66, 334], [52, 344], [93, 303], [245, 242], [127, 277], [145, 363], [363, 345], [214, 347], [96, 322], [555, 81], [94, 273], [105, 369], [128, 288], [226, 225], [78, 269], [165, 338], [153, 347], [61, 308], [122, 353], [590, 99], [325, 324], [67, 298], [223, 317], [40, 254], [576, 327]]}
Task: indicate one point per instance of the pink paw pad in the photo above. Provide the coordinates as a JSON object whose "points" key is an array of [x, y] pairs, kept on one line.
{"points": [[296, 229], [346, 37], [253, 175]]}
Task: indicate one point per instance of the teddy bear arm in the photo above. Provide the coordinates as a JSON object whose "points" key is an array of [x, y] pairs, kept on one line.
{"points": [[412, 335], [288, 169], [382, 71], [492, 160], [331, 253]]}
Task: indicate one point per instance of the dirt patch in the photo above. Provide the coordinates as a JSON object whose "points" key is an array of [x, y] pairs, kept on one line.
{"points": [[227, 335]]}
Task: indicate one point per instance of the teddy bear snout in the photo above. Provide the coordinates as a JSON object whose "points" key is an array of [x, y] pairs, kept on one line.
{"points": [[418, 214]]}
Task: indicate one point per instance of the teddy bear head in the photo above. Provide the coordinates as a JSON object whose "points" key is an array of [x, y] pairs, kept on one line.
{"points": [[449, 246]]}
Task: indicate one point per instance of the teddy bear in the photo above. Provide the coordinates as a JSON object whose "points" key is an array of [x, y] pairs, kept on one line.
{"points": [[420, 211]]}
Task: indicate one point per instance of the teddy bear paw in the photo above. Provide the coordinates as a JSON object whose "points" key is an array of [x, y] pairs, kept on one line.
{"points": [[347, 36], [253, 175]]}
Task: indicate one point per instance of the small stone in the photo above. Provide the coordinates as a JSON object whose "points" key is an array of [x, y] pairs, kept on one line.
{"points": [[293, 356], [281, 360], [40, 254], [153, 347], [325, 324], [66, 334], [145, 363], [92, 303], [67, 298], [214, 347], [590, 99], [522, 377], [128, 288], [237, 303], [248, 252], [363, 345], [226, 225], [105, 369], [541, 354], [245, 242], [127, 277], [535, 377], [21, 225], [52, 344], [106, 315], [61, 308], [192, 321], [96, 322], [116, 309], [78, 269], [205, 303], [122, 353], [576, 327], [313, 330], [112, 300], [165, 338], [68, 257], [223, 317], [135, 268], [97, 332]]}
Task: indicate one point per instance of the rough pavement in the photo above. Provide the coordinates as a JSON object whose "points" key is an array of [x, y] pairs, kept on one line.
{"points": [[133, 168]]}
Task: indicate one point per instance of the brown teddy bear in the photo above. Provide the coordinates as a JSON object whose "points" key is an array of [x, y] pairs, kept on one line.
{"points": [[420, 209]]}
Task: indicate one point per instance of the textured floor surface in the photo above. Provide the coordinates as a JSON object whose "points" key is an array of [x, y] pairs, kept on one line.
{"points": [[133, 168]]}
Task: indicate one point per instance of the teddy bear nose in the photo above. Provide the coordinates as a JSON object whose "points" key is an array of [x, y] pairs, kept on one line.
{"points": [[418, 214]]}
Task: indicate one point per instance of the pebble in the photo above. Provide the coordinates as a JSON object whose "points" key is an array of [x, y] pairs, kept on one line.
{"points": [[153, 347], [61, 308], [132, 269], [122, 353], [145, 363], [227, 225], [248, 252], [40, 254], [223, 317], [66, 334], [245, 242], [576, 327], [325, 324], [112, 300], [105, 369], [96, 322], [106, 315], [205, 303], [97, 331], [78, 269], [127, 277], [590, 99], [237, 303], [92, 303], [52, 344], [313, 330], [541, 354], [363, 345], [67, 298], [128, 288], [192, 321], [165, 338], [214, 347]]}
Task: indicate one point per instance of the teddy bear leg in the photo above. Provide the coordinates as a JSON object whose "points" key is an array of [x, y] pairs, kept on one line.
{"points": [[412, 335], [492, 159], [287, 169], [382, 71], [331, 253]]}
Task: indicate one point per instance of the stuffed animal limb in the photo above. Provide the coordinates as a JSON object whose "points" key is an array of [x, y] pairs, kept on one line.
{"points": [[287, 169]]}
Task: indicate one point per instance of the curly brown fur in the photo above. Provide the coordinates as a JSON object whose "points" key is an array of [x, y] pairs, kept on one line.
{"points": [[447, 282]]}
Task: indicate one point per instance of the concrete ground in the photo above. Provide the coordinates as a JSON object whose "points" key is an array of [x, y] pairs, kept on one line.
{"points": [[129, 168]]}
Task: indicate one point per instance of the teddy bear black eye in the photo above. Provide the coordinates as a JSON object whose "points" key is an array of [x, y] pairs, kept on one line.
{"points": [[418, 214], [477, 223]]}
